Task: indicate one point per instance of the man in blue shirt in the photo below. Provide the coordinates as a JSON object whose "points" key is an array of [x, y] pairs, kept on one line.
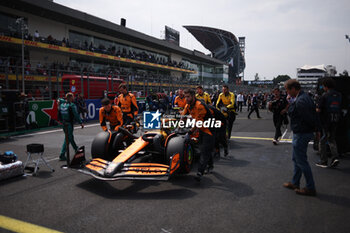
{"points": [[303, 121]]}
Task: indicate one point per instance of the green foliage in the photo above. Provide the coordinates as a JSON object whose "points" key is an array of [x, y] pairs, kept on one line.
{"points": [[280, 78]]}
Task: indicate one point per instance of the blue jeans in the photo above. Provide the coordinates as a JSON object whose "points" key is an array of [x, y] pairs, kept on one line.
{"points": [[301, 165]]}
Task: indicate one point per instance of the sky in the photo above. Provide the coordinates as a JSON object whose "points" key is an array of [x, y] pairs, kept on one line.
{"points": [[281, 35]]}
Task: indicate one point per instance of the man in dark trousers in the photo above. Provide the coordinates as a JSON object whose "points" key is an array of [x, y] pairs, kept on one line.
{"points": [[226, 104], [329, 109], [254, 106], [67, 114], [199, 112], [278, 106], [303, 122]]}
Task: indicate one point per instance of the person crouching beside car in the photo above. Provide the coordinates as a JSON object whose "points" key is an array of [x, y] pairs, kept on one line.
{"points": [[112, 114]]}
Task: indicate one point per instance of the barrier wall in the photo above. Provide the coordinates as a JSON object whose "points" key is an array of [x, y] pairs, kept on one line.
{"points": [[44, 113]]}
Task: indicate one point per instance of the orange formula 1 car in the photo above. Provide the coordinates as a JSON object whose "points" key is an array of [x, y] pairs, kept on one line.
{"points": [[155, 155]]}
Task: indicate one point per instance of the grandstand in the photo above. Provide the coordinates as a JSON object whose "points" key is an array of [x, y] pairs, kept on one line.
{"points": [[224, 46], [308, 75], [60, 41]]}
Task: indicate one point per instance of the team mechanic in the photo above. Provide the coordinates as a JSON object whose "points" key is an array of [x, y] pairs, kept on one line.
{"points": [[226, 103], [128, 105], [203, 95], [180, 100], [199, 112], [112, 114]]}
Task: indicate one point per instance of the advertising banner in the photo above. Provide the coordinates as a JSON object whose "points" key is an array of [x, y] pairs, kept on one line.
{"points": [[42, 113], [93, 107]]}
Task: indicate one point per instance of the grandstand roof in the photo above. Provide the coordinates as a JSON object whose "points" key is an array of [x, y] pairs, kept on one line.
{"points": [[51, 10], [222, 44], [318, 67]]}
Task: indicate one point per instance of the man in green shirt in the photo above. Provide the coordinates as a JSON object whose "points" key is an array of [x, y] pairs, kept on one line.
{"points": [[67, 114]]}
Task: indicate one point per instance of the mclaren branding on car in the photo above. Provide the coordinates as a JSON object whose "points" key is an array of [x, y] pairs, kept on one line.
{"points": [[155, 155]]}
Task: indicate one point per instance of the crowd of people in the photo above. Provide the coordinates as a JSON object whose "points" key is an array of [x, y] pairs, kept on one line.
{"points": [[101, 48], [309, 117]]}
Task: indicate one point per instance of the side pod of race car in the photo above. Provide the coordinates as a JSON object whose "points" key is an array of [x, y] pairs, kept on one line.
{"points": [[155, 155]]}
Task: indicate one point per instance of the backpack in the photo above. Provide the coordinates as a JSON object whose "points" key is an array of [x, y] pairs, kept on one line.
{"points": [[217, 115], [8, 157], [333, 106]]}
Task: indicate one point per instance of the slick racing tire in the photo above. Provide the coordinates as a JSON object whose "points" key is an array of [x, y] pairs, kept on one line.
{"points": [[177, 145], [99, 146]]}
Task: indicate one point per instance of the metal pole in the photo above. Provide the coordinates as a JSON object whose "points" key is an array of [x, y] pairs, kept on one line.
{"points": [[58, 84], [147, 86], [50, 85], [169, 84], [158, 76], [107, 86], [112, 77], [22, 29], [88, 85], [130, 78], [144, 86], [7, 73], [82, 83], [17, 81]]}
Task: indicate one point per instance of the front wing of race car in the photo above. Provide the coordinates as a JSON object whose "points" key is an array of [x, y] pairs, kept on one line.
{"points": [[101, 169], [123, 166]]}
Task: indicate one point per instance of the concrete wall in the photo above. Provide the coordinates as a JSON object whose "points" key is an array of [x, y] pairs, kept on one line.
{"points": [[44, 26], [58, 30]]}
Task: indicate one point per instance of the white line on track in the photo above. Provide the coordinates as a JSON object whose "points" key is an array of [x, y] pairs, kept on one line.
{"points": [[53, 131], [284, 133]]}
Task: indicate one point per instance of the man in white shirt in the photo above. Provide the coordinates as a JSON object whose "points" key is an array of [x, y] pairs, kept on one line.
{"points": [[36, 35], [240, 101]]}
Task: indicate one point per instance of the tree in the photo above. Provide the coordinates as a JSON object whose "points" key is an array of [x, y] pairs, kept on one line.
{"points": [[256, 77], [344, 74], [280, 78]]}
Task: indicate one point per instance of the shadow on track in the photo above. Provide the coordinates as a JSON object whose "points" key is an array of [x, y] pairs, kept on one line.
{"points": [[243, 144], [134, 190], [337, 200], [238, 189], [231, 161]]}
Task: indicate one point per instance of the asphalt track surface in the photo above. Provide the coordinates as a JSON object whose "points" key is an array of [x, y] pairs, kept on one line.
{"points": [[244, 194]]}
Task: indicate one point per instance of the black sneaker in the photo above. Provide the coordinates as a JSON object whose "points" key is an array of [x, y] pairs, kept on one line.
{"points": [[198, 176], [210, 170], [334, 163], [321, 164], [225, 152], [216, 154]]}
